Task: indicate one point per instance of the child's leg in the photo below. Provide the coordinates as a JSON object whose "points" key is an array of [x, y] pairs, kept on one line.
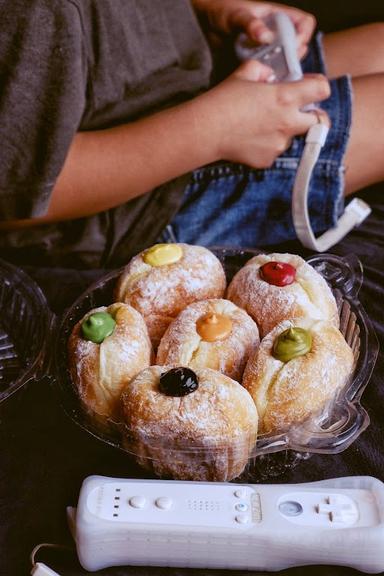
{"points": [[360, 53], [365, 151], [357, 51]]}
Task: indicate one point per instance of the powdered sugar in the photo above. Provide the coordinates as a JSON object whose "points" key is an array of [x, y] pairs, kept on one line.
{"points": [[309, 295], [217, 419], [181, 344], [164, 291], [287, 393], [100, 371]]}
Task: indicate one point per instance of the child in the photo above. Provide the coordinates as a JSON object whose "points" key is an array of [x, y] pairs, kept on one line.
{"points": [[111, 132]]}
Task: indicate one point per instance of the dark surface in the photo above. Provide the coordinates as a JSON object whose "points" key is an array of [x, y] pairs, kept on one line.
{"points": [[44, 457]]}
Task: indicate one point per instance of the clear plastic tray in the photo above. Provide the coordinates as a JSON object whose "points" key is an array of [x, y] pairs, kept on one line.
{"points": [[333, 431], [24, 329]]}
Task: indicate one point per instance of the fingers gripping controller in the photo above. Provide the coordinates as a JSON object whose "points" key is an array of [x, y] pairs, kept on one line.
{"points": [[281, 56]]}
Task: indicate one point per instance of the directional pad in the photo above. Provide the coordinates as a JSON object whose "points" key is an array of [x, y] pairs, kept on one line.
{"points": [[319, 509], [339, 508]]}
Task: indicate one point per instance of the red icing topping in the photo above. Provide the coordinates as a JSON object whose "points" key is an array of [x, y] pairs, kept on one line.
{"points": [[278, 273]]}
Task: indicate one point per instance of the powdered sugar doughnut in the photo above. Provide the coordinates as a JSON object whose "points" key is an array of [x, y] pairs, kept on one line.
{"points": [[190, 426], [213, 334], [298, 368], [159, 288], [299, 291], [101, 369]]}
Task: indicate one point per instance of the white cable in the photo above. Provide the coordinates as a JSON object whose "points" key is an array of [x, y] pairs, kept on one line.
{"points": [[354, 214], [40, 569], [281, 55]]}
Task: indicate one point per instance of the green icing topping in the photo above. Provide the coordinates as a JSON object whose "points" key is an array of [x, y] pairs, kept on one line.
{"points": [[98, 326], [292, 343]]}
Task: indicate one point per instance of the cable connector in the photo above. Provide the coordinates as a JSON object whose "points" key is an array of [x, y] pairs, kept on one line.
{"points": [[40, 569], [359, 209], [317, 134]]}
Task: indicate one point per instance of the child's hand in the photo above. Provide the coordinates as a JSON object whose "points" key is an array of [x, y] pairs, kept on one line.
{"points": [[228, 16], [251, 121]]}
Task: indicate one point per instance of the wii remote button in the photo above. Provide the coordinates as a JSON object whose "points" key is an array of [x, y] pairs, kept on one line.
{"points": [[241, 507], [137, 501], [242, 518], [290, 508], [164, 503], [240, 493]]}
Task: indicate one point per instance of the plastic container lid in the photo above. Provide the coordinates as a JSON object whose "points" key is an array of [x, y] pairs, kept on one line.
{"points": [[24, 329], [333, 431]]}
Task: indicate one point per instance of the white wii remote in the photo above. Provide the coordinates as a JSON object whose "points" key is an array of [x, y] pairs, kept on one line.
{"points": [[280, 55], [225, 525]]}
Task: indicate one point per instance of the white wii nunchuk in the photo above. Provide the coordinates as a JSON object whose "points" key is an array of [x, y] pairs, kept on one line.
{"points": [[226, 525], [281, 56]]}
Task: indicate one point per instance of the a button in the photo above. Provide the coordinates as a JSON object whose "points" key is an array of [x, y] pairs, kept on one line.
{"points": [[290, 508], [137, 501], [277, 49], [164, 503], [241, 507], [240, 493], [242, 518]]}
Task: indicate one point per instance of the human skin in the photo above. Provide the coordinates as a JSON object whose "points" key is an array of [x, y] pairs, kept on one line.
{"points": [[360, 53], [244, 119], [228, 16]]}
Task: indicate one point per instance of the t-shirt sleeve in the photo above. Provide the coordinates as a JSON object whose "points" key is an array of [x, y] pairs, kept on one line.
{"points": [[43, 84]]}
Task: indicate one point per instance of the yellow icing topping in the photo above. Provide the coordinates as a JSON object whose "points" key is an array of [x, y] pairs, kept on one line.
{"points": [[163, 254]]}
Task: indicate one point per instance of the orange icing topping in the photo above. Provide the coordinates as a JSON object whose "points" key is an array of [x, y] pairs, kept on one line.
{"points": [[213, 327]]}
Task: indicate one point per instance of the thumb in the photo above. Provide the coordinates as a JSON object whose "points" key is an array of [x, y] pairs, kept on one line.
{"points": [[254, 71], [251, 21]]}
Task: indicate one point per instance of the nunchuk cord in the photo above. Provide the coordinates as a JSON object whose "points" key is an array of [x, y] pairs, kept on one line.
{"points": [[356, 211], [40, 569]]}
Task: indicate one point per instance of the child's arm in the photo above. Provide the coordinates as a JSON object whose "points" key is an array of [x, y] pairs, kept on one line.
{"points": [[240, 120], [228, 16]]}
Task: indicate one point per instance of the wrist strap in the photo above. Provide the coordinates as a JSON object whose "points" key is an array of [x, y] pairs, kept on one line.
{"points": [[354, 214]]}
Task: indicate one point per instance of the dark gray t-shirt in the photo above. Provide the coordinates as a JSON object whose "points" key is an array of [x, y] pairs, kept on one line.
{"points": [[70, 65]]}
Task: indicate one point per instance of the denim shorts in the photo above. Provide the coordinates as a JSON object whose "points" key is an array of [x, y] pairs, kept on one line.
{"points": [[231, 204]]}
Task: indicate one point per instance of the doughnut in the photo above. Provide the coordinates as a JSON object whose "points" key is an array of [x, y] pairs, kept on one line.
{"points": [[214, 334], [161, 281], [189, 425], [299, 367], [274, 287]]}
